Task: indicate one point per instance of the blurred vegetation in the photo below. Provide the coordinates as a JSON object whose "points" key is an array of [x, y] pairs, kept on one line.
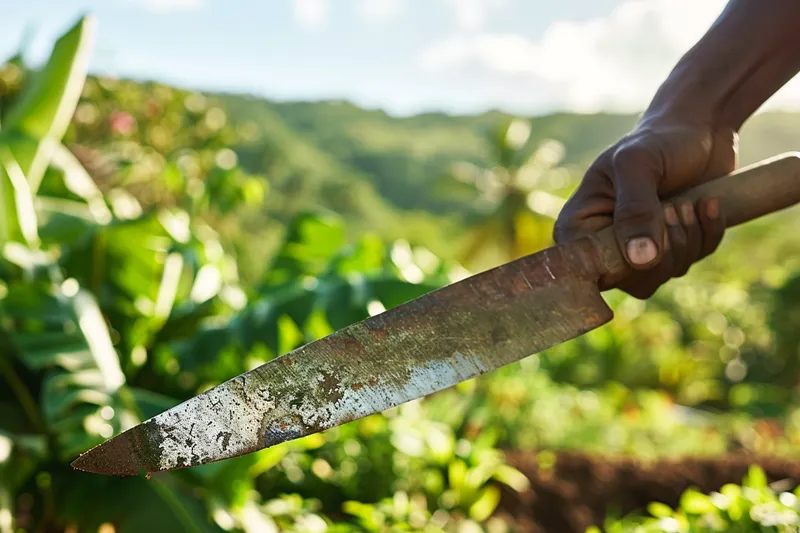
{"points": [[156, 242], [754, 506]]}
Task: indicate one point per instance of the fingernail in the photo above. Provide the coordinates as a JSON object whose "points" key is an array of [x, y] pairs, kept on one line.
{"points": [[712, 208], [641, 250], [670, 215], [687, 213]]}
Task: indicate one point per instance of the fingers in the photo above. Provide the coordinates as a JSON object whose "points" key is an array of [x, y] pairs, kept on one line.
{"points": [[588, 210], [622, 188], [677, 236], [712, 223], [692, 233], [693, 238], [642, 285], [638, 219]]}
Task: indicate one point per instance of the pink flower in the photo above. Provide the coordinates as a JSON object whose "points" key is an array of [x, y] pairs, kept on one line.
{"points": [[122, 122]]}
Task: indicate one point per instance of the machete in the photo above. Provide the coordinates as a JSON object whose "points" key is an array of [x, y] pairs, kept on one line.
{"points": [[428, 344]]}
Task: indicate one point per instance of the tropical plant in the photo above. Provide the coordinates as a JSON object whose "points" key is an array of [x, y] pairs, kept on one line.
{"points": [[515, 199], [112, 311], [753, 507]]}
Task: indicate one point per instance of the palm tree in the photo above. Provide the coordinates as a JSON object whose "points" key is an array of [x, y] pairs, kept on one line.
{"points": [[519, 195]]}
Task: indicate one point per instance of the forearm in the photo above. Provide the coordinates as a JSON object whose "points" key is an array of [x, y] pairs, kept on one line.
{"points": [[750, 52]]}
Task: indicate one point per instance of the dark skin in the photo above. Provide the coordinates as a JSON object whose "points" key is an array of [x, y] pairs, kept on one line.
{"points": [[687, 135]]}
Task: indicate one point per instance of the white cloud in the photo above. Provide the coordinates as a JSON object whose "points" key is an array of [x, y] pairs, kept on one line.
{"points": [[163, 7], [472, 14], [379, 10], [468, 14], [311, 14], [611, 62]]}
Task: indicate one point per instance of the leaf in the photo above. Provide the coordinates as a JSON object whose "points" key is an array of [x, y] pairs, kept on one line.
{"points": [[20, 214], [486, 504], [266, 459], [659, 510], [755, 478], [457, 473], [152, 403], [93, 326], [173, 178], [64, 223], [82, 374], [190, 523], [368, 255], [78, 181], [46, 107], [8, 218], [394, 292], [6, 510], [311, 242], [290, 336], [317, 325], [694, 502], [512, 477], [19, 456], [71, 357], [168, 288], [34, 302], [133, 505], [65, 395]]}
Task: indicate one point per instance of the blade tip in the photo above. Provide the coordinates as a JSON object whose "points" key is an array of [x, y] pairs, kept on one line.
{"points": [[115, 457]]}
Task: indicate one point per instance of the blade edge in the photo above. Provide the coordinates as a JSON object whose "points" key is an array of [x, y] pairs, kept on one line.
{"points": [[508, 313]]}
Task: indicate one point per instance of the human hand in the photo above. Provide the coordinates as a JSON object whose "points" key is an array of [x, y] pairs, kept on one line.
{"points": [[662, 156]]}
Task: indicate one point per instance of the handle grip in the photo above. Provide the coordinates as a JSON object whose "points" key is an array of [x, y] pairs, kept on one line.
{"points": [[747, 193]]}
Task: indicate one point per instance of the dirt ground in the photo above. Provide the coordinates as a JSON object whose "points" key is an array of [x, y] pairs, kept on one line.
{"points": [[580, 489]]}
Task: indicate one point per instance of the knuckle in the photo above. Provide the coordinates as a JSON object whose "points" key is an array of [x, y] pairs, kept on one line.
{"points": [[636, 154], [710, 243], [678, 239], [642, 293], [684, 269], [709, 249], [563, 229], [635, 211], [713, 232]]}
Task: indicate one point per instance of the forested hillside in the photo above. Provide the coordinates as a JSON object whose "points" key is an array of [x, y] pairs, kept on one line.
{"points": [[388, 175], [353, 160], [400, 155]]}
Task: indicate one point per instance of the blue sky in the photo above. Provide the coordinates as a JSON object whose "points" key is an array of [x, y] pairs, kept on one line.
{"points": [[405, 56]]}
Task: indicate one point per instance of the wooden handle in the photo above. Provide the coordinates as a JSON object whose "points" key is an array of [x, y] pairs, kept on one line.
{"points": [[750, 192]]}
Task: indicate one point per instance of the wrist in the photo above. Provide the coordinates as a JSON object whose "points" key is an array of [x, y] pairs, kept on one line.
{"points": [[686, 96], [749, 53]]}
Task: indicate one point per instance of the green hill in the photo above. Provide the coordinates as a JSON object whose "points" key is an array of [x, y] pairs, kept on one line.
{"points": [[376, 170], [400, 156]]}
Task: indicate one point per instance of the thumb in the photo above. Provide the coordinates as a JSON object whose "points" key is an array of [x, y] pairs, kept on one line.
{"points": [[638, 218]]}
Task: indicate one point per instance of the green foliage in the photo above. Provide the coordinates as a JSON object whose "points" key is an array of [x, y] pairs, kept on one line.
{"points": [[515, 204], [117, 303], [40, 118], [752, 507], [163, 241], [404, 513]]}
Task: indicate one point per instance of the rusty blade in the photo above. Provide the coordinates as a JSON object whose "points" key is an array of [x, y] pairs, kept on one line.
{"points": [[428, 344]]}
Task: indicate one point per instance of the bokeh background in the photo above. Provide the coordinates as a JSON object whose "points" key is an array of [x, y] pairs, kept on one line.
{"points": [[191, 188]]}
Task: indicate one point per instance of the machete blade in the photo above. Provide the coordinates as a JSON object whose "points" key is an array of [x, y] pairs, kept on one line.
{"points": [[431, 343]]}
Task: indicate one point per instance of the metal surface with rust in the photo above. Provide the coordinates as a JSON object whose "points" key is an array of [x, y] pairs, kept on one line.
{"points": [[428, 344], [431, 343]]}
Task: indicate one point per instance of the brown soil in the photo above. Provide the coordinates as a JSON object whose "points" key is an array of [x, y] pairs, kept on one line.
{"points": [[581, 489]]}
